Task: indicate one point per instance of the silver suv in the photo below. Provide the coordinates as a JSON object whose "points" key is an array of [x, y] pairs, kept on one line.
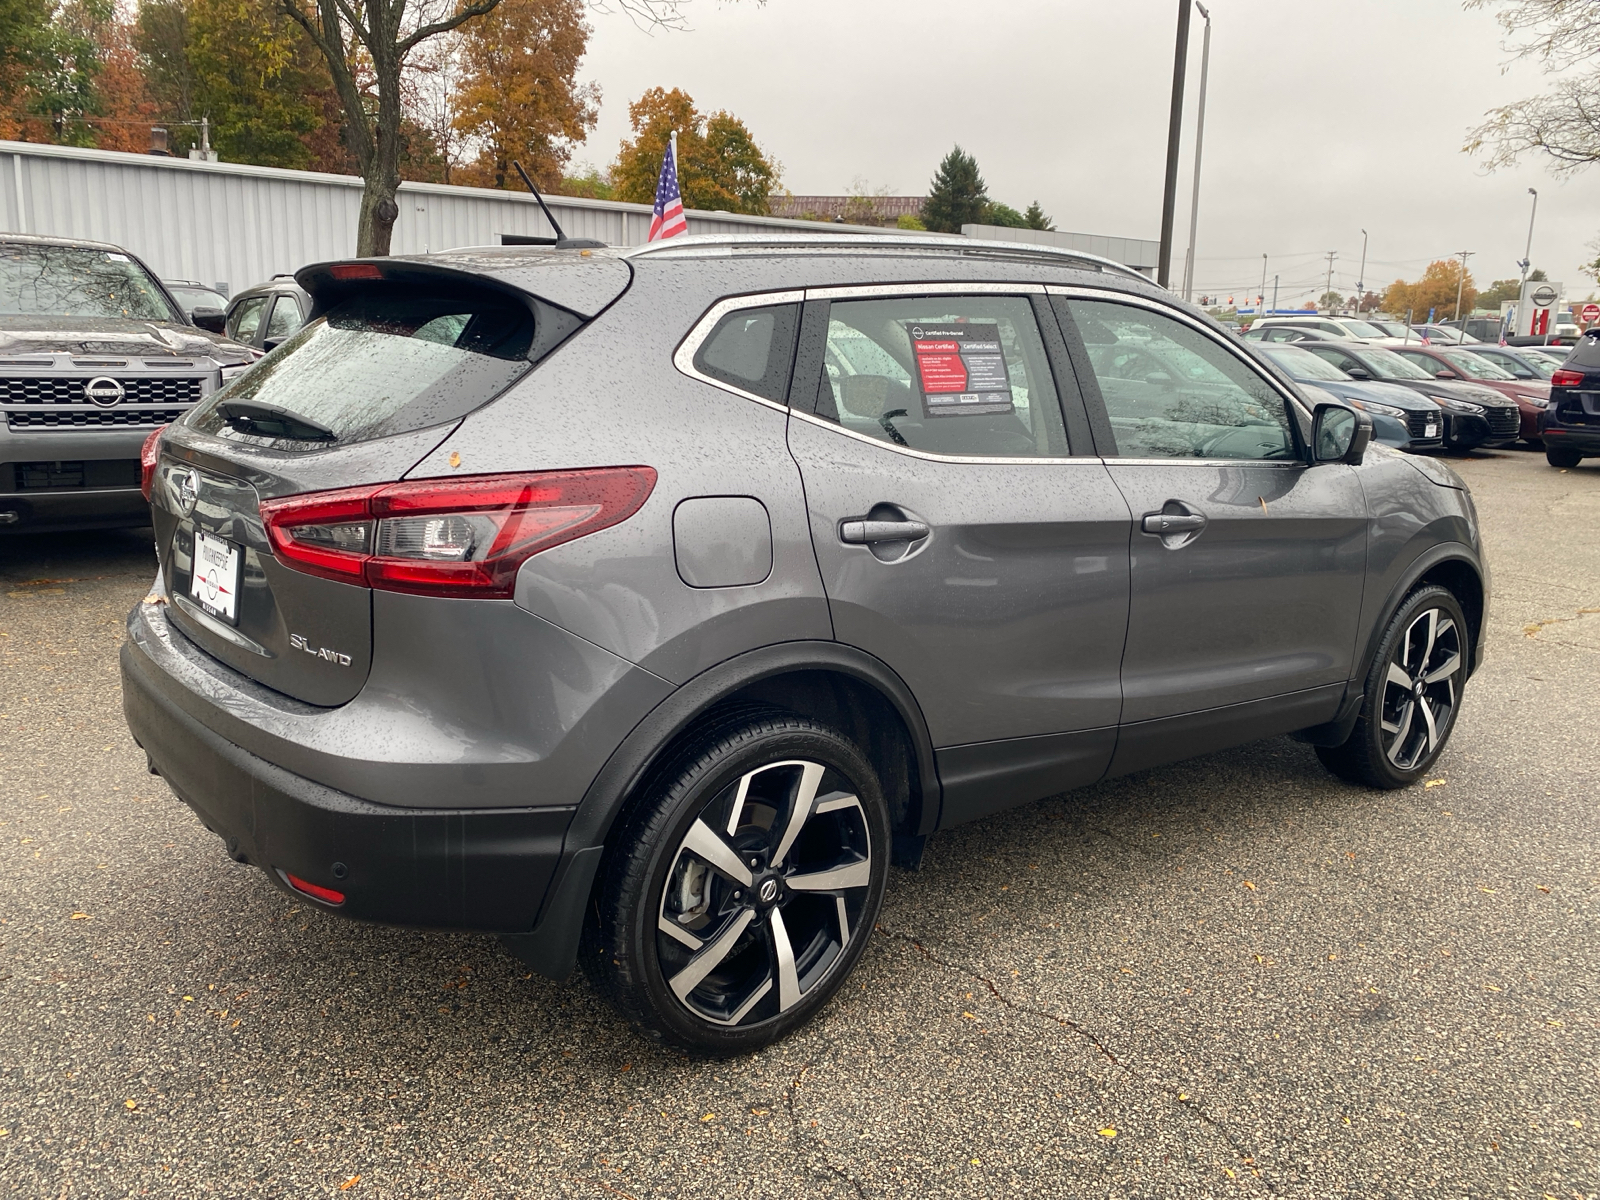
{"points": [[642, 606], [95, 353]]}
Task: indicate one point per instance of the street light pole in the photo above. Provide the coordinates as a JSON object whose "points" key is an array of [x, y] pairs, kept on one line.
{"points": [[1527, 255], [1169, 199], [1199, 142], [1332, 254], [1361, 287], [1461, 280]]}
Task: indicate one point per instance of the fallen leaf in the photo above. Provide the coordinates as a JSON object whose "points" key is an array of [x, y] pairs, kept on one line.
{"points": [[1553, 1024], [709, 1117], [5, 1133], [189, 998], [349, 1183], [1249, 885], [1491, 987], [1183, 1095], [82, 917], [976, 1163], [1108, 1132], [1228, 1171], [1434, 783], [760, 1112], [1542, 888], [1575, 1123], [969, 1016], [130, 1105], [1486, 891], [455, 458]]}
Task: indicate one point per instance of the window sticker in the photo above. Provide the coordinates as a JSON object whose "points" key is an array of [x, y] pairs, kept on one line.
{"points": [[961, 368], [117, 258]]}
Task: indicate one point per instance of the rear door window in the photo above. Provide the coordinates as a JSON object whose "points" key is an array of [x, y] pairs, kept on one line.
{"points": [[393, 359], [957, 375], [285, 318]]}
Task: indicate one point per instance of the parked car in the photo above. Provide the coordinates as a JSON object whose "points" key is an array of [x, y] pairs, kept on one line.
{"points": [[1393, 329], [1400, 417], [1519, 361], [1474, 416], [1442, 334], [1570, 425], [1484, 329], [96, 353], [1462, 364], [204, 306], [1326, 327], [269, 313], [641, 605], [1556, 355]]}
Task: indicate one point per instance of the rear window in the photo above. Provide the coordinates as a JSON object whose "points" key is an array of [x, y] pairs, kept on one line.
{"points": [[392, 360], [1587, 352]]}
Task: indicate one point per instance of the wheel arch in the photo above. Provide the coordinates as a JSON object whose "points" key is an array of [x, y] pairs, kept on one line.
{"points": [[1454, 567]]}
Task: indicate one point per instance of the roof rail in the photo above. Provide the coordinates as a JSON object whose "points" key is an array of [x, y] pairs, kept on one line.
{"points": [[979, 248]]}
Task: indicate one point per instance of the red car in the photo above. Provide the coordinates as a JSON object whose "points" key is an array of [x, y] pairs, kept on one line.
{"points": [[1461, 364]]}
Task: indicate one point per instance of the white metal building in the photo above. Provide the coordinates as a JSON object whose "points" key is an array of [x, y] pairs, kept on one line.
{"points": [[236, 225], [1141, 254]]}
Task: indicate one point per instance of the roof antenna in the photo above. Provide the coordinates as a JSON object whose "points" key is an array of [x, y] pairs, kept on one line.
{"points": [[562, 242]]}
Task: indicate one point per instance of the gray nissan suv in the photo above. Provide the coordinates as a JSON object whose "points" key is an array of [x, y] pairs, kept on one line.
{"points": [[643, 606]]}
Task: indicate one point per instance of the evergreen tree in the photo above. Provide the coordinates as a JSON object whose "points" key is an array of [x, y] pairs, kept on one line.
{"points": [[1036, 218], [957, 196], [1004, 216]]}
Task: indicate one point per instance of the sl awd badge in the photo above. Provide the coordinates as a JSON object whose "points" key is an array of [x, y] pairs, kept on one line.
{"points": [[298, 642]]}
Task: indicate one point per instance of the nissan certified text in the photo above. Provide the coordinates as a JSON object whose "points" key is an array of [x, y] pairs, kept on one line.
{"points": [[644, 606]]}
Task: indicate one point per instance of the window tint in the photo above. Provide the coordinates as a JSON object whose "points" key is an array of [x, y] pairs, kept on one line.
{"points": [[394, 359], [1469, 362], [752, 349], [1337, 358], [246, 318], [1171, 392], [1423, 362], [1587, 352], [285, 318], [953, 375]]}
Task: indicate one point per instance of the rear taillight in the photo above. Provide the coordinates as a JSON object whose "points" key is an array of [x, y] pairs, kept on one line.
{"points": [[449, 537], [1565, 378], [149, 455]]}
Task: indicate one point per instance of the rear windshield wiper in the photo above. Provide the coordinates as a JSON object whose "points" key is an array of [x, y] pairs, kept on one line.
{"points": [[268, 420]]}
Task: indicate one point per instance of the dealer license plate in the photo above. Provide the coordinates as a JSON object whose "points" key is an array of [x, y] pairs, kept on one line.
{"points": [[215, 584], [1430, 430]]}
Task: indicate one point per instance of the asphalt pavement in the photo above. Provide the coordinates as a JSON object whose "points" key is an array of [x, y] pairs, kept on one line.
{"points": [[1232, 976]]}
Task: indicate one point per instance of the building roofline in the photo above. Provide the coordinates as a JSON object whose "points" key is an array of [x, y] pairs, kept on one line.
{"points": [[710, 244]]}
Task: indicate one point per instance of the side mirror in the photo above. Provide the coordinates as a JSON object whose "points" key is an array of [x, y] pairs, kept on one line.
{"points": [[1358, 373], [1340, 434], [271, 344], [209, 318]]}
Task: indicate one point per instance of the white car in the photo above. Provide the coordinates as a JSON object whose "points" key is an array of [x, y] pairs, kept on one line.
{"points": [[1337, 328]]}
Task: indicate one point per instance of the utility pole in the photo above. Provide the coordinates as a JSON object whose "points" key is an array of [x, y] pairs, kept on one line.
{"points": [[1461, 280], [1361, 287], [1332, 254], [1199, 142], [1263, 293], [1169, 199], [1274, 293]]}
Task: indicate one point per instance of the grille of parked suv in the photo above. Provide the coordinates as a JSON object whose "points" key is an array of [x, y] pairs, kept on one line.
{"points": [[1504, 421], [1417, 424], [69, 390], [58, 402]]}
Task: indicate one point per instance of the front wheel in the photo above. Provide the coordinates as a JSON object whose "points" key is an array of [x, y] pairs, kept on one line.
{"points": [[741, 892], [1412, 694], [1564, 457]]}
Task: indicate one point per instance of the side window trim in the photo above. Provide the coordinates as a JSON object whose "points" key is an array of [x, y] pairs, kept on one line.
{"points": [[1299, 425], [683, 356]]}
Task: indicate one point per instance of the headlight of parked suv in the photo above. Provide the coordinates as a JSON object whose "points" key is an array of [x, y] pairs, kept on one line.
{"points": [[1387, 410], [1454, 405]]}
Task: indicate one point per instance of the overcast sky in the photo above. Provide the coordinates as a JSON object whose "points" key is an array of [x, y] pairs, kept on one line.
{"points": [[1322, 119]]}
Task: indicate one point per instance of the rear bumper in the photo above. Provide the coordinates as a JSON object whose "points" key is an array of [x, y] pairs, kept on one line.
{"points": [[1584, 439], [463, 869]]}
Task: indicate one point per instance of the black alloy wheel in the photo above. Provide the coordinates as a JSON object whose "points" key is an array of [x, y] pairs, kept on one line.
{"points": [[1412, 694], [734, 905]]}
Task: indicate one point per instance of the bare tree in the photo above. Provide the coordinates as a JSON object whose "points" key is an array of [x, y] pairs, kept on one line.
{"points": [[1564, 123], [367, 44]]}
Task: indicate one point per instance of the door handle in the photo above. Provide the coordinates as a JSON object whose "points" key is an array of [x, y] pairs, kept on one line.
{"points": [[864, 533], [1162, 523]]}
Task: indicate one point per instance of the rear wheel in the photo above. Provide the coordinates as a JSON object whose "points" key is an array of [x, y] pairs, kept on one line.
{"points": [[1412, 694], [1564, 457], [740, 894]]}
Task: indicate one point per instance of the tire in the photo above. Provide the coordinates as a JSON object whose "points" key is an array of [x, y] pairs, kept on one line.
{"points": [[1419, 671], [1563, 457], [702, 950]]}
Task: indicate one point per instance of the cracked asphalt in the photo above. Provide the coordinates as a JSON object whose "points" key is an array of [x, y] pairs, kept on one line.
{"points": [[1231, 976]]}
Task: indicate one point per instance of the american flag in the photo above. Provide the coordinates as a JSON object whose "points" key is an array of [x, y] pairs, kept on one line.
{"points": [[668, 220]]}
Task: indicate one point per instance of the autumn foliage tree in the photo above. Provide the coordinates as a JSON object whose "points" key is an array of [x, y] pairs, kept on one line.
{"points": [[518, 97], [719, 164], [1435, 290]]}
